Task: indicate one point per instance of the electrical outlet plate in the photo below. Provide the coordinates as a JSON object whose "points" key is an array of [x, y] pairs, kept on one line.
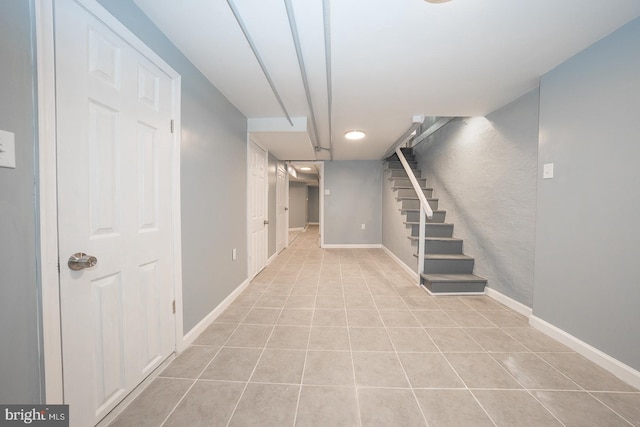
{"points": [[547, 171], [7, 149]]}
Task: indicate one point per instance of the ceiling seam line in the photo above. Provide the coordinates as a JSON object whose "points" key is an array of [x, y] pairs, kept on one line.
{"points": [[303, 70], [327, 61], [253, 47]]}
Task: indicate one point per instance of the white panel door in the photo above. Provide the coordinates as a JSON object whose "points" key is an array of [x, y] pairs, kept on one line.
{"points": [[114, 203], [258, 231], [282, 225]]}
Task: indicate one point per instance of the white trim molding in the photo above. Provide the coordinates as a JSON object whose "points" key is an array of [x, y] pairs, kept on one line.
{"points": [[405, 267], [508, 301], [48, 203], [193, 334], [624, 372]]}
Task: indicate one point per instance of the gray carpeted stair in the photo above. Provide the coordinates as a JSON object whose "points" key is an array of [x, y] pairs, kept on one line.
{"points": [[446, 269]]}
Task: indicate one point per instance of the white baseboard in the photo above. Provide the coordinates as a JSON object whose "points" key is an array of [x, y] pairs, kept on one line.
{"points": [[271, 258], [624, 372], [313, 223], [351, 246], [191, 336], [412, 273], [297, 229], [508, 301]]}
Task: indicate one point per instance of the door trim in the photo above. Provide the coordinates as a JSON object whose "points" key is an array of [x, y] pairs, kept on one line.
{"points": [[47, 187], [251, 140]]}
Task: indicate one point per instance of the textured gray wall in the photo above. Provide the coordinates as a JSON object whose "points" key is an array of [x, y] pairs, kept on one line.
{"points": [[20, 369], [483, 170], [394, 231], [213, 173], [297, 204], [586, 266], [314, 204], [355, 199]]}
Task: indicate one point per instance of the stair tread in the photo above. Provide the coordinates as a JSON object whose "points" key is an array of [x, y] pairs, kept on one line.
{"points": [[409, 187], [436, 239], [446, 256], [413, 198], [433, 277], [439, 224]]}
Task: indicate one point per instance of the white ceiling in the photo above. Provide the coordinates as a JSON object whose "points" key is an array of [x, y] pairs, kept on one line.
{"points": [[390, 59]]}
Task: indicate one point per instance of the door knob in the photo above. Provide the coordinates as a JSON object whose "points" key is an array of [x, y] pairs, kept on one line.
{"points": [[80, 261], [266, 221], [286, 209]]}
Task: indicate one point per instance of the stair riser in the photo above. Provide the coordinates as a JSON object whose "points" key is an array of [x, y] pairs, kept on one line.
{"points": [[448, 266], [433, 230], [443, 247], [454, 287], [405, 182], [401, 173], [437, 217], [398, 165], [409, 192], [415, 204]]}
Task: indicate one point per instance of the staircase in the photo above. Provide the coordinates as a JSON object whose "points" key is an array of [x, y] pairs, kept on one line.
{"points": [[446, 269]]}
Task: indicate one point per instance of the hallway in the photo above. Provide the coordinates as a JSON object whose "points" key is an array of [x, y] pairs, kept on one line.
{"points": [[343, 337]]}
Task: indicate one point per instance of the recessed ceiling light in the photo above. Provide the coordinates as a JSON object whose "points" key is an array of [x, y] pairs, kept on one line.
{"points": [[305, 168], [355, 134], [436, 1]]}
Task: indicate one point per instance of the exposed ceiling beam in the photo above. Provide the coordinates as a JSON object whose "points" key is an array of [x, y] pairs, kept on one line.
{"points": [[327, 60], [247, 36], [303, 70]]}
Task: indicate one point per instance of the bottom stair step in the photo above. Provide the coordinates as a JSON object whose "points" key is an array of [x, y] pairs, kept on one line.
{"points": [[453, 283]]}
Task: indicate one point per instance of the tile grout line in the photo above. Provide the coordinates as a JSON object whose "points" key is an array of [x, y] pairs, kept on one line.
{"points": [[415, 397], [273, 327], [306, 353], [353, 365]]}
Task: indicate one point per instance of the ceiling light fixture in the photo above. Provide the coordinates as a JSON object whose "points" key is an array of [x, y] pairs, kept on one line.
{"points": [[355, 134], [436, 1], [305, 168]]}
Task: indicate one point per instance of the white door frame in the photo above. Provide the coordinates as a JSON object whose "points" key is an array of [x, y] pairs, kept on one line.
{"points": [[320, 166], [286, 212], [47, 186], [251, 140]]}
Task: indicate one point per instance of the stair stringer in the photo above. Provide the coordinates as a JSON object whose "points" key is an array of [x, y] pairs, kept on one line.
{"points": [[394, 231]]}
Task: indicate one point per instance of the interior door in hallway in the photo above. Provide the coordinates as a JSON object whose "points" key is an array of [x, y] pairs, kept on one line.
{"points": [[115, 204], [257, 206], [282, 221]]}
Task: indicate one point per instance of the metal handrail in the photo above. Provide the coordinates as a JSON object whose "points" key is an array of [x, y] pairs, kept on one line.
{"points": [[425, 210]]}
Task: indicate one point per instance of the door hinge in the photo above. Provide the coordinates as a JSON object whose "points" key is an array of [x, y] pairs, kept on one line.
{"points": [[173, 306], [171, 125], [58, 265]]}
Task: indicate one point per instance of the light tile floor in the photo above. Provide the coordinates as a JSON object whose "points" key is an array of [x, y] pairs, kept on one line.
{"points": [[344, 338]]}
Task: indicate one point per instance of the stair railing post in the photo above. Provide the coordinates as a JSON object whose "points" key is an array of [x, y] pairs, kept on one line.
{"points": [[421, 242]]}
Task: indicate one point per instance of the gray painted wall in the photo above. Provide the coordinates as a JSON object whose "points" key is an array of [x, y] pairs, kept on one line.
{"points": [[297, 204], [314, 204], [355, 199], [20, 366], [483, 170], [214, 181], [586, 274]]}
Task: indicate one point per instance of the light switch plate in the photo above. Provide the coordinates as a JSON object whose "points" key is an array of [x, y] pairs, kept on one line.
{"points": [[327, 192], [7, 149], [547, 171]]}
